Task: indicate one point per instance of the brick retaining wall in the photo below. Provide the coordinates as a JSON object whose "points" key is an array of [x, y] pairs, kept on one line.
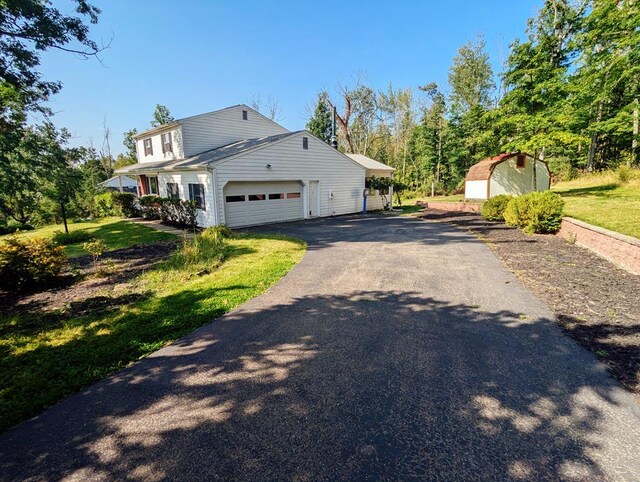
{"points": [[620, 249], [617, 248]]}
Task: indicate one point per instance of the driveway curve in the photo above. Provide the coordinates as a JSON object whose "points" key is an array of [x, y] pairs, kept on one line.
{"points": [[396, 349]]}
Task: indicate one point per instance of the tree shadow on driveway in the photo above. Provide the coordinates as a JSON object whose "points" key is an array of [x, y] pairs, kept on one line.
{"points": [[370, 385]]}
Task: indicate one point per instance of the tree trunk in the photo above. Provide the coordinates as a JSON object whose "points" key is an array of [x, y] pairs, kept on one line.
{"points": [[64, 217], [594, 141], [634, 142]]}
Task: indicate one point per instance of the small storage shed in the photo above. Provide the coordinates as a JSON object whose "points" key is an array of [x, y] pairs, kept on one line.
{"points": [[509, 173]]}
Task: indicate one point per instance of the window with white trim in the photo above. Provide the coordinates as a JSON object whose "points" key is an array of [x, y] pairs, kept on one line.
{"points": [[153, 185], [196, 193]]}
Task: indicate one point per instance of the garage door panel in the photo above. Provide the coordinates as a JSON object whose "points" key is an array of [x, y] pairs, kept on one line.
{"points": [[250, 203]]}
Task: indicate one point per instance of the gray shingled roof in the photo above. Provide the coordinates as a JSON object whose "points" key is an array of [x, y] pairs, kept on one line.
{"points": [[206, 158]]}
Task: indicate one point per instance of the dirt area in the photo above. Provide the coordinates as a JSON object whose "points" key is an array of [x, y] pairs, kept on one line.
{"points": [[83, 291], [595, 302]]}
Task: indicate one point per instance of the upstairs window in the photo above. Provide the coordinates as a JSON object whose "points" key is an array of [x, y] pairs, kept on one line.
{"points": [[173, 192], [245, 115], [305, 143], [167, 146], [196, 193], [148, 147], [520, 160]]}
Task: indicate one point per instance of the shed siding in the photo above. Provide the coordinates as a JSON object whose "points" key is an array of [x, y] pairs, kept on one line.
{"points": [[475, 189], [208, 131], [336, 174], [543, 180], [156, 142], [508, 179], [183, 179]]}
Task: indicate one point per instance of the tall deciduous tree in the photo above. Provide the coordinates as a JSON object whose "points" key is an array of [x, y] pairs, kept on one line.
{"points": [[161, 116]]}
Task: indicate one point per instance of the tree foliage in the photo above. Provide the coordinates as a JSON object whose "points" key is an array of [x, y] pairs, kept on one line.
{"points": [[320, 122]]}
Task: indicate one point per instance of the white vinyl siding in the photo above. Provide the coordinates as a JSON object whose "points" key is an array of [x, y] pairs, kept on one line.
{"points": [[251, 203], [156, 143], [208, 131], [376, 201], [183, 179], [341, 180]]}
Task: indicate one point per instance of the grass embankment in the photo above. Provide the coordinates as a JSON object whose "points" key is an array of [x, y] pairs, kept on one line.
{"points": [[115, 232], [45, 357], [601, 199]]}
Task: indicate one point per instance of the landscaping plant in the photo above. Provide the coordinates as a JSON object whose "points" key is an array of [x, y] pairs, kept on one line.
{"points": [[95, 248], [493, 209], [72, 237], [30, 264], [536, 212]]}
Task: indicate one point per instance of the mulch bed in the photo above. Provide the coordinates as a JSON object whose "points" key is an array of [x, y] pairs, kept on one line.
{"points": [[82, 291], [595, 302]]}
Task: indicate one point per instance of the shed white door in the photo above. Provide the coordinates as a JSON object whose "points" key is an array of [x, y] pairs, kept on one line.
{"points": [[251, 203]]}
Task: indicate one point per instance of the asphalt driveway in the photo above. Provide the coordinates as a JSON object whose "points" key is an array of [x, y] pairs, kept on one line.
{"points": [[397, 349]]}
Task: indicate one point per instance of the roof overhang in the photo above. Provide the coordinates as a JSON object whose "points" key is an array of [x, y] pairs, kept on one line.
{"points": [[157, 130]]}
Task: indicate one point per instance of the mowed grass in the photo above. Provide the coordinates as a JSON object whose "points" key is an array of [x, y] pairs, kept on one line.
{"points": [[45, 357], [447, 199], [115, 232], [600, 199]]}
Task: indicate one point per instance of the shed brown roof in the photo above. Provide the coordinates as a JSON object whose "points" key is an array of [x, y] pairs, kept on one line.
{"points": [[483, 169]]}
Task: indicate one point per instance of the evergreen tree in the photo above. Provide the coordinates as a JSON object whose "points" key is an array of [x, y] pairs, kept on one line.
{"points": [[320, 123]]}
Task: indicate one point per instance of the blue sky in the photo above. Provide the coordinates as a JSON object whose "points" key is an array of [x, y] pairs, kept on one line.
{"points": [[196, 56]]}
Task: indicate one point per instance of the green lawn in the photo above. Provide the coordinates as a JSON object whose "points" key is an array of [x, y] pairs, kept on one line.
{"points": [[601, 200], [47, 356], [447, 199], [115, 232]]}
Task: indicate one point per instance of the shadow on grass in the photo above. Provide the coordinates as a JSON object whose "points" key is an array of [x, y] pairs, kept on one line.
{"points": [[602, 190], [118, 235], [369, 385]]}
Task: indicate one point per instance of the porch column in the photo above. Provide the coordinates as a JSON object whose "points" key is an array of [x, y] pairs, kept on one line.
{"points": [[391, 197]]}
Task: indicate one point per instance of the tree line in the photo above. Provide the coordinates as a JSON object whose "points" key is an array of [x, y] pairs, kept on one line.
{"points": [[568, 94]]}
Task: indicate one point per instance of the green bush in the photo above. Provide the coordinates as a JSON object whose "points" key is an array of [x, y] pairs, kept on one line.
{"points": [[493, 208], [124, 203], [104, 204], [150, 206], [624, 173], [12, 228], [72, 237], [30, 264], [115, 203], [536, 212], [172, 211]]}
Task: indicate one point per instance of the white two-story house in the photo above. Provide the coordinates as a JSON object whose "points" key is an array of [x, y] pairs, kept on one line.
{"points": [[243, 169]]}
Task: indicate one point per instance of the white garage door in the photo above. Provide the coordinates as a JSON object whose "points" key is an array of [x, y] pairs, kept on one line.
{"points": [[251, 203]]}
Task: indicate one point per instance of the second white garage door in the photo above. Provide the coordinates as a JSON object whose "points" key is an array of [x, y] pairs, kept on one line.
{"points": [[251, 203]]}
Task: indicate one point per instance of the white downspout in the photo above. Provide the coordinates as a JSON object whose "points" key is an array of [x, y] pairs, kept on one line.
{"points": [[214, 185]]}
